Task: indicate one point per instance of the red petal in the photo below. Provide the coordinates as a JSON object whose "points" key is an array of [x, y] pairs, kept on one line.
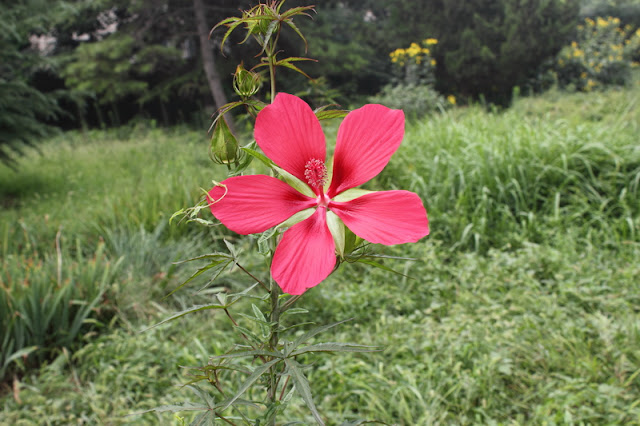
{"points": [[290, 134], [367, 138], [305, 256], [385, 217], [253, 204]]}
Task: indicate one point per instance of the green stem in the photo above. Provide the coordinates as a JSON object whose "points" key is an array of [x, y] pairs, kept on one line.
{"points": [[273, 343], [271, 57]]}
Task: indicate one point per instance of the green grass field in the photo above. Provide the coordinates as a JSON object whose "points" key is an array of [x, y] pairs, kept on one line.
{"points": [[522, 306]]}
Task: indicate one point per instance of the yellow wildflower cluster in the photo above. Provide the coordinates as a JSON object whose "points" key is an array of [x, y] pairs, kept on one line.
{"points": [[602, 53], [415, 53]]}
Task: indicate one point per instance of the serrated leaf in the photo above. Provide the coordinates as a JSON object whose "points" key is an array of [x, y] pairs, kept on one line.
{"points": [[262, 320], [259, 371], [174, 408], [335, 347], [302, 387], [294, 68], [270, 29], [215, 255], [294, 311], [203, 395], [224, 262], [249, 354], [189, 311], [380, 266], [249, 334], [231, 247], [293, 26], [308, 335], [204, 419], [223, 110]]}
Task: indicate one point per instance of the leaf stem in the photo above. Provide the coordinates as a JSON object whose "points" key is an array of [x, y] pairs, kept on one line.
{"points": [[252, 276]]}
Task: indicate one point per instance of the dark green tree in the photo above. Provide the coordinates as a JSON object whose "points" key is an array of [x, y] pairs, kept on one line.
{"points": [[23, 109]]}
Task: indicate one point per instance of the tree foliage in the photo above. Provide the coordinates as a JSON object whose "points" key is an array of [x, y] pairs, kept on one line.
{"points": [[23, 108]]}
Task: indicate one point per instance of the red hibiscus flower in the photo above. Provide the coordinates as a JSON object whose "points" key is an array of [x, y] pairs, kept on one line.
{"points": [[289, 133]]}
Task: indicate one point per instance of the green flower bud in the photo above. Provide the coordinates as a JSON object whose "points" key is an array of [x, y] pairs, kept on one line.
{"points": [[246, 83], [224, 146]]}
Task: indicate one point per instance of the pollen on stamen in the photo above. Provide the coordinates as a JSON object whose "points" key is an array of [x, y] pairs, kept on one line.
{"points": [[316, 173]]}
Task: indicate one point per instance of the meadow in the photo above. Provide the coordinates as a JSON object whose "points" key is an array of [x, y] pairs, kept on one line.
{"points": [[521, 307]]}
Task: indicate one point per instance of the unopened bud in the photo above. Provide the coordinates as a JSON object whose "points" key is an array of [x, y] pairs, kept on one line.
{"points": [[258, 26], [224, 146], [246, 83]]}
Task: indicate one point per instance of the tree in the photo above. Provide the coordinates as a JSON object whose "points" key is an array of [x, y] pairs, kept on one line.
{"points": [[22, 107]]}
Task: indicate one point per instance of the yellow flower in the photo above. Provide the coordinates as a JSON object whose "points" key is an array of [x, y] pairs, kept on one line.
{"points": [[578, 53], [574, 44], [433, 62], [431, 41], [451, 99], [590, 22], [602, 22]]}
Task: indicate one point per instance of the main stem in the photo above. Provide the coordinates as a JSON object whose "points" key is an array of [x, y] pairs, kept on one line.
{"points": [[273, 343], [271, 57]]}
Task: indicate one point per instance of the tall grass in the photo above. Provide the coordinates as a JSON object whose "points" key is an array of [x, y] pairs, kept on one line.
{"points": [[496, 180]]}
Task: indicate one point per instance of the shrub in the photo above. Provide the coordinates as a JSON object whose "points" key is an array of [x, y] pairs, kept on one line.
{"points": [[412, 85], [602, 54], [415, 100]]}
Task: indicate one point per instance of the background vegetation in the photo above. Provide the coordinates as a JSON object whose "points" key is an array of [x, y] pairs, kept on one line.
{"points": [[522, 305]]}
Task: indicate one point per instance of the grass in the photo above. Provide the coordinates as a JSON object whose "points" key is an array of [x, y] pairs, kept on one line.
{"points": [[522, 307]]}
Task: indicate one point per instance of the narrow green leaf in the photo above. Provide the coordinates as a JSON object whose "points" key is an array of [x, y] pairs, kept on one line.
{"points": [[335, 347], [224, 262], [263, 158], [203, 395], [270, 29], [332, 113], [189, 311], [293, 26], [302, 388], [174, 408], [205, 256], [259, 371], [294, 311], [18, 354], [308, 335], [381, 266], [229, 31], [249, 354], [262, 321], [294, 68]]}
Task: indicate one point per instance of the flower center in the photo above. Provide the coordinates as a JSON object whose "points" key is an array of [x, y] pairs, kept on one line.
{"points": [[316, 173]]}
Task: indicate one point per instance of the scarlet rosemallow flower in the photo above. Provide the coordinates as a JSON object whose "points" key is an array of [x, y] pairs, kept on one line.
{"points": [[289, 133]]}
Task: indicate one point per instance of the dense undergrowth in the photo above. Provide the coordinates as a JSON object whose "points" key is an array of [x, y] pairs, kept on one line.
{"points": [[522, 305]]}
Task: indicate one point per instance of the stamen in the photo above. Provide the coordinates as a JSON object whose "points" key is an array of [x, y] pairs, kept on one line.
{"points": [[316, 173]]}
